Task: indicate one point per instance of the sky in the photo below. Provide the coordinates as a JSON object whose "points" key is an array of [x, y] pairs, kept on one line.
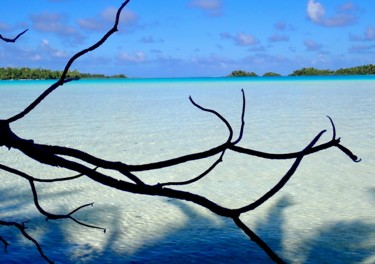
{"points": [[190, 38]]}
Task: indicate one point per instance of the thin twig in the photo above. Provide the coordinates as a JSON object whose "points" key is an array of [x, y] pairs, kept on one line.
{"points": [[333, 128], [349, 153], [263, 245], [13, 39], [57, 216], [195, 179], [123, 167], [283, 180], [242, 118], [29, 177], [36, 199], [217, 114]]}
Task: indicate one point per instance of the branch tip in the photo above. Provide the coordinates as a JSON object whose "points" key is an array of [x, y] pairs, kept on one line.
{"points": [[333, 128], [349, 153], [242, 118], [13, 39], [218, 115]]}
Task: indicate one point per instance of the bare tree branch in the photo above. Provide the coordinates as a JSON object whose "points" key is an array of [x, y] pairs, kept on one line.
{"points": [[242, 118], [254, 237], [13, 39], [206, 172], [28, 177], [123, 167], [58, 156], [36, 200], [47, 155], [283, 180], [218, 115]]}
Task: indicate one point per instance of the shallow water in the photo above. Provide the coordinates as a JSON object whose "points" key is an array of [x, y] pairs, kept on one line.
{"points": [[324, 214]]}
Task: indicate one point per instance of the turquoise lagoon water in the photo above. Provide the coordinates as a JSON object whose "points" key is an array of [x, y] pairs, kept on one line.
{"points": [[325, 214]]}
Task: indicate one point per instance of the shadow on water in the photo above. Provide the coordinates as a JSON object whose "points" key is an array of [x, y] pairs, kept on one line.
{"points": [[201, 239], [339, 242], [372, 194], [270, 229], [344, 242]]}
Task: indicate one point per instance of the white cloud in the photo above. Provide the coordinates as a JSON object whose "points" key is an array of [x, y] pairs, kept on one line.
{"points": [[52, 52], [280, 25], [106, 19], [363, 49], [136, 57], [315, 11], [312, 45], [245, 39], [211, 7], [127, 16], [91, 24], [278, 37], [16, 56], [45, 43], [317, 14], [150, 39], [212, 60], [4, 27], [241, 39], [368, 35], [57, 24]]}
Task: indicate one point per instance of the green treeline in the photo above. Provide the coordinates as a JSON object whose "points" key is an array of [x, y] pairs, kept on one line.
{"points": [[312, 72], [240, 73], [25, 73], [358, 70]]}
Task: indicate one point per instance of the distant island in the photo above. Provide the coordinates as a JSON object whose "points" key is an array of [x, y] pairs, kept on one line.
{"points": [[25, 73], [368, 69], [240, 73]]}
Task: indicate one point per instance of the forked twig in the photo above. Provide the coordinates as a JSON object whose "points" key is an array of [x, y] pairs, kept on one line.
{"points": [[36, 199], [217, 114]]}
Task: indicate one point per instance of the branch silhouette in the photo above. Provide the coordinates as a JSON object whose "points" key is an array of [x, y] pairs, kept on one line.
{"points": [[13, 39], [60, 156]]}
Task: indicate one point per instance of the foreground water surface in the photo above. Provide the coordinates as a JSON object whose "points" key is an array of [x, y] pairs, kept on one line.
{"points": [[325, 214]]}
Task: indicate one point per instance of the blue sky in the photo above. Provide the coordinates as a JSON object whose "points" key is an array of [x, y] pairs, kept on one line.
{"points": [[190, 38]]}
